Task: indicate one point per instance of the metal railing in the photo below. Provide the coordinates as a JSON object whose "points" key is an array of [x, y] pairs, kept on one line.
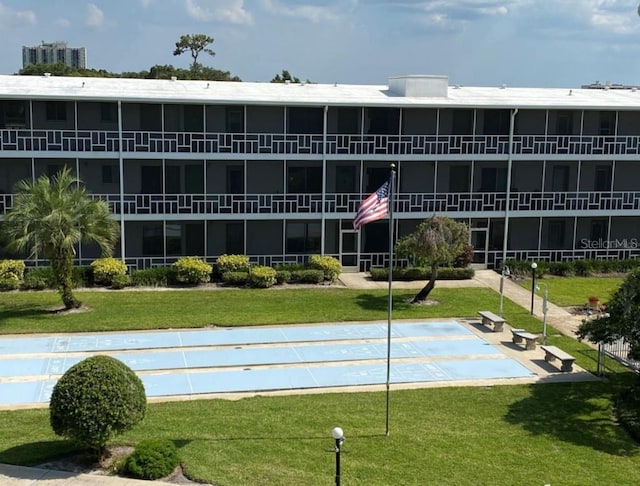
{"points": [[137, 141]]}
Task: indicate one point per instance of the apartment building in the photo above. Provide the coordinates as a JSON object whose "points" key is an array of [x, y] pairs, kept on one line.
{"points": [[277, 171], [53, 53]]}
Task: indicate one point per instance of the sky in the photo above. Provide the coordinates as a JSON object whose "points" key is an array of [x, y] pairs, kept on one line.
{"points": [[526, 43]]}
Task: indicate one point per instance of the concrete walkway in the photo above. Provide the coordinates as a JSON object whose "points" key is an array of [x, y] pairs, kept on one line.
{"points": [[557, 317]]}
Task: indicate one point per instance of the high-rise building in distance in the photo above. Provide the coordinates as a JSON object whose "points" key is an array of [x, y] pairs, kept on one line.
{"points": [[53, 53]]}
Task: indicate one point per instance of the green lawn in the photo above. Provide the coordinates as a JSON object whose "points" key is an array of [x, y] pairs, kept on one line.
{"points": [[504, 435], [575, 291]]}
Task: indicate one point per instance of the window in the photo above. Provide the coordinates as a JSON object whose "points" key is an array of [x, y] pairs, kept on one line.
{"points": [[607, 122], [493, 179], [348, 120], [462, 122], [598, 230], [56, 111], [304, 180], [108, 112], [235, 179], [110, 174], [235, 238], [152, 239], [496, 122], [151, 179], [459, 178], [555, 234], [305, 120], [15, 114], [345, 179], [383, 121], [560, 178], [235, 119], [602, 180], [174, 239], [565, 123], [303, 237]]}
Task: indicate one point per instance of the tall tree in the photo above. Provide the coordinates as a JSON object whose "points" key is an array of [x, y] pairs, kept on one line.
{"points": [[622, 320], [284, 77], [50, 217], [437, 241], [195, 43]]}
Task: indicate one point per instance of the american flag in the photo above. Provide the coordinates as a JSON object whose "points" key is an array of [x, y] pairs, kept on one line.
{"points": [[375, 207]]}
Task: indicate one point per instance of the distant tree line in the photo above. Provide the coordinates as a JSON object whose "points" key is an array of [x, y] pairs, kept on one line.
{"points": [[195, 44]]}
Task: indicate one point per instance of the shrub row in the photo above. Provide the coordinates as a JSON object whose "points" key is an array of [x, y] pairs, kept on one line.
{"points": [[579, 268], [421, 273], [232, 270]]}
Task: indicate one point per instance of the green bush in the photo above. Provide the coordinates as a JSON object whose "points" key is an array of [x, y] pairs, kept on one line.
{"points": [[152, 459], [105, 269], [289, 267], [262, 277], [120, 281], [464, 259], [421, 273], [82, 276], [232, 263], [192, 270], [236, 279], [38, 279], [328, 264], [10, 282], [561, 269], [584, 268], [12, 270], [522, 268], [96, 399], [282, 276], [153, 277], [309, 276]]}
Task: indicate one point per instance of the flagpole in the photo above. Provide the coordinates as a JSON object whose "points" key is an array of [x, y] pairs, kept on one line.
{"points": [[390, 280]]}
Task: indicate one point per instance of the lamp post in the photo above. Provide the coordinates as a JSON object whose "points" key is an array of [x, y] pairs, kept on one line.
{"points": [[545, 309], [338, 436], [534, 265], [503, 273]]}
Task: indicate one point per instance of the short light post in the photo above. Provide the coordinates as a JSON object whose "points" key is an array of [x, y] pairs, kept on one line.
{"points": [[534, 265], [503, 273], [338, 436], [545, 309]]}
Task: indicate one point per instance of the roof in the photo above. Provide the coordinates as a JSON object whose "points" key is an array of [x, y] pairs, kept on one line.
{"points": [[222, 92]]}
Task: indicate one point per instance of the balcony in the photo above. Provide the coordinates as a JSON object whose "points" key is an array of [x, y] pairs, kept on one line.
{"points": [[244, 205], [135, 142]]}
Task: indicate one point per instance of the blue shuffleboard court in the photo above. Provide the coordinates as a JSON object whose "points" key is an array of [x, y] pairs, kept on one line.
{"points": [[259, 359]]}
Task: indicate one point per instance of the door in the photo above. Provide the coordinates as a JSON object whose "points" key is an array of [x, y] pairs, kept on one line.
{"points": [[479, 240], [349, 249]]}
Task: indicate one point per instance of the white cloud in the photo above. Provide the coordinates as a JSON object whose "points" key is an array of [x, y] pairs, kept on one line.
{"points": [[94, 17], [145, 3], [13, 18], [231, 11], [313, 13]]}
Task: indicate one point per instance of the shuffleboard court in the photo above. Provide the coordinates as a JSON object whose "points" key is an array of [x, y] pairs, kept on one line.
{"points": [[259, 359]]}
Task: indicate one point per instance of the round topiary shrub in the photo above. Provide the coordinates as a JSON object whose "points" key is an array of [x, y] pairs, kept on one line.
{"points": [[106, 269], [232, 263], [153, 459], [192, 270], [330, 266], [96, 399], [262, 277]]}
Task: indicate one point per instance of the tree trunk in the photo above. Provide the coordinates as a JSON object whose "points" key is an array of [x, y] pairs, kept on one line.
{"points": [[426, 290], [62, 266]]}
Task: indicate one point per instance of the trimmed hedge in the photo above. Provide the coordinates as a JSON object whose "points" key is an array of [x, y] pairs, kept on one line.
{"points": [[421, 273], [262, 277], [192, 270], [152, 459], [232, 263], [580, 268], [13, 269], [329, 265], [153, 277], [237, 279], [106, 269], [309, 276], [39, 278], [96, 399]]}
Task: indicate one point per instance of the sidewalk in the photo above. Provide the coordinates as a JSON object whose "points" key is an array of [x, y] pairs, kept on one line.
{"points": [[22, 476]]}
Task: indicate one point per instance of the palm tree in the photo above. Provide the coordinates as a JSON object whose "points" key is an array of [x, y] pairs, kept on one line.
{"points": [[50, 217]]}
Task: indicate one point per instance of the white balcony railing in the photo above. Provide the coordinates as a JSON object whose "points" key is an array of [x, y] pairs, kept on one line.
{"points": [[406, 203], [20, 140]]}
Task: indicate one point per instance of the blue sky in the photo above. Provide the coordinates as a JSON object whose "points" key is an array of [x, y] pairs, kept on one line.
{"points": [[546, 43]]}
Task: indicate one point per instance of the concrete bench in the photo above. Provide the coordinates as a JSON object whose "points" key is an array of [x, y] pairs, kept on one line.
{"points": [[520, 335], [489, 318], [552, 353]]}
